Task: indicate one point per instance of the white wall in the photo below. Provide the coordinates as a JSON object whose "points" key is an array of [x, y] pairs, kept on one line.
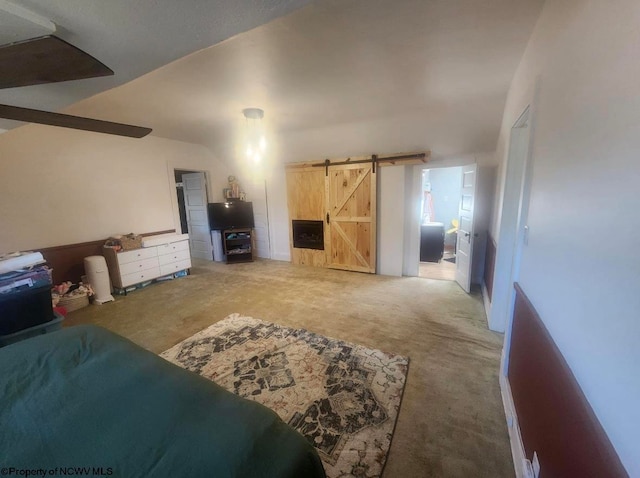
{"points": [[583, 279], [256, 193], [278, 214], [446, 187], [61, 186], [412, 213], [390, 225]]}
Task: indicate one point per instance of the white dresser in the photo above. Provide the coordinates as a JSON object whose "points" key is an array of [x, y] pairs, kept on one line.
{"points": [[159, 256]]}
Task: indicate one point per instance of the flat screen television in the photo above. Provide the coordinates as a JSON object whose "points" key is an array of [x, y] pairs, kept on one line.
{"points": [[230, 215]]}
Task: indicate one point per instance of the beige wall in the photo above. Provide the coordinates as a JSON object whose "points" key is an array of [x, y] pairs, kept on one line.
{"points": [[60, 186]]}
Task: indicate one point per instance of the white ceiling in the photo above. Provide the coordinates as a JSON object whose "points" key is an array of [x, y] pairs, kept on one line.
{"points": [[132, 37], [335, 77]]}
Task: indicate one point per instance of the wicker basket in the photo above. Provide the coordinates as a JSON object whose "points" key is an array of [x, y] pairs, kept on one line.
{"points": [[131, 242], [74, 302]]}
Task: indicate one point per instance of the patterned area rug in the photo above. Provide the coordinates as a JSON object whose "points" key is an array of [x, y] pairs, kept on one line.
{"points": [[344, 398]]}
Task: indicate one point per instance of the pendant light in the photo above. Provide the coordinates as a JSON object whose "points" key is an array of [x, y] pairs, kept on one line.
{"points": [[256, 143]]}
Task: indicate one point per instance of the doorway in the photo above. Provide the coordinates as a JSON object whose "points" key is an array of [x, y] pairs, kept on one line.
{"points": [[512, 233], [193, 198], [441, 190], [180, 196]]}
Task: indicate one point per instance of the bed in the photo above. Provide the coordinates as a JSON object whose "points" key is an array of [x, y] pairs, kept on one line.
{"points": [[86, 397]]}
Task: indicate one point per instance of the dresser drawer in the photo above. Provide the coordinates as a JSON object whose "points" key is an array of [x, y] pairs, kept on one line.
{"points": [[173, 247], [175, 267], [140, 276], [137, 266], [136, 255], [173, 257]]}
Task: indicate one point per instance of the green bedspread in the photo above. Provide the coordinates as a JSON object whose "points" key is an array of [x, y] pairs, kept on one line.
{"points": [[85, 397]]}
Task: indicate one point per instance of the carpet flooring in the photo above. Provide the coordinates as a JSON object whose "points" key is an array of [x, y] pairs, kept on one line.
{"points": [[342, 397], [451, 421]]}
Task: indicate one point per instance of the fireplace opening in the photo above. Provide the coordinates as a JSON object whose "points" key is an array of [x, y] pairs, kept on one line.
{"points": [[308, 234]]}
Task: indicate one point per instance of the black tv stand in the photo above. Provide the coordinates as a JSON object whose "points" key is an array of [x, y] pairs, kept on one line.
{"points": [[238, 245]]}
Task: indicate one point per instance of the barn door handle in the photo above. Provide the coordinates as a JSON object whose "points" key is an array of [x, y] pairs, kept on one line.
{"points": [[327, 218]]}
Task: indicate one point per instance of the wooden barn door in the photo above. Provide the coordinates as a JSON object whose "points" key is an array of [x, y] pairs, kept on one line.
{"points": [[350, 239]]}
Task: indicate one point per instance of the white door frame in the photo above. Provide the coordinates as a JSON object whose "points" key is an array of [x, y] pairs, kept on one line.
{"points": [[512, 236], [411, 256]]}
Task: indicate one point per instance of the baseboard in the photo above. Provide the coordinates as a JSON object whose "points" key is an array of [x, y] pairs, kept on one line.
{"points": [[486, 301], [520, 462]]}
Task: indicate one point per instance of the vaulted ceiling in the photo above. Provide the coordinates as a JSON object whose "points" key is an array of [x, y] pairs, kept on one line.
{"points": [[334, 77]]}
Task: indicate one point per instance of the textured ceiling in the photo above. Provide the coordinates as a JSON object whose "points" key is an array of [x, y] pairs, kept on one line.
{"points": [[335, 77]]}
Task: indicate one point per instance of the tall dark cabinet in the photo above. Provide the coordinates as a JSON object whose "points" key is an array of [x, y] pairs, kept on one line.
{"points": [[431, 242]]}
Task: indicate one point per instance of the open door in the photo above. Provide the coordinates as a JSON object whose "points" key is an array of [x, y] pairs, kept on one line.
{"points": [[464, 245], [195, 201], [350, 234]]}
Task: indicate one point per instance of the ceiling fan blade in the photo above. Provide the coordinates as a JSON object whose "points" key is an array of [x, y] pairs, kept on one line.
{"points": [[46, 59], [75, 122]]}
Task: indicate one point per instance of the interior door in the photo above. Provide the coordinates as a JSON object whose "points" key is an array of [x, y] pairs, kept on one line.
{"points": [[350, 233], [195, 201], [464, 247]]}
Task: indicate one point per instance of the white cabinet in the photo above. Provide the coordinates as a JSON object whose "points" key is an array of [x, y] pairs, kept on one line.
{"points": [[159, 256], [137, 266], [139, 276], [174, 261], [173, 247]]}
